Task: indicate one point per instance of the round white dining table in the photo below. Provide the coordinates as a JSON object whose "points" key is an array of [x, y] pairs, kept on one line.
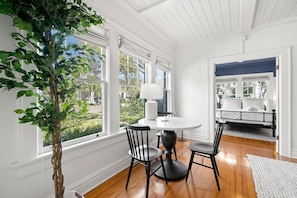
{"points": [[170, 123], [174, 169]]}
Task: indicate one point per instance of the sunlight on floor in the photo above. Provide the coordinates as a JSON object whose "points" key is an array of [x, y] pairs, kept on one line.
{"points": [[159, 187], [227, 157]]}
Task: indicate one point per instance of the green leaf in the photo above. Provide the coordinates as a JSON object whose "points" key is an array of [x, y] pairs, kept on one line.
{"points": [[19, 111], [25, 119], [16, 64], [6, 8], [26, 78], [17, 22], [47, 135], [29, 93], [9, 73], [20, 23], [21, 93], [21, 44], [4, 55]]}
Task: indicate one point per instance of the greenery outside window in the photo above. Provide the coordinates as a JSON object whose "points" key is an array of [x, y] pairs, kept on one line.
{"points": [[225, 90], [131, 76], [88, 122], [163, 78], [248, 89], [255, 89]]}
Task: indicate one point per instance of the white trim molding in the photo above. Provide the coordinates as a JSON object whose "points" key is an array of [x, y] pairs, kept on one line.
{"points": [[284, 87]]}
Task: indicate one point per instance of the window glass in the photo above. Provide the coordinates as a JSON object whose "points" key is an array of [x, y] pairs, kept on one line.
{"points": [[162, 79], [87, 118], [248, 89], [225, 90], [255, 89], [131, 76]]}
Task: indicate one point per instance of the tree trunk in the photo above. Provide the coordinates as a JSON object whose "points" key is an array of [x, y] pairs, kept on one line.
{"points": [[57, 164]]}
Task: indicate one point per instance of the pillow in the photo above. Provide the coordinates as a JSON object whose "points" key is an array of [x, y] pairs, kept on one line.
{"points": [[253, 103], [231, 103], [252, 109]]}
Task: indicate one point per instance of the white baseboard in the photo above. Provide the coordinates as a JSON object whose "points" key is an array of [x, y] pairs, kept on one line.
{"points": [[90, 182], [294, 153]]}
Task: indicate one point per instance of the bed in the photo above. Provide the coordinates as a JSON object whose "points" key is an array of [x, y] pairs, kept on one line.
{"points": [[247, 111]]}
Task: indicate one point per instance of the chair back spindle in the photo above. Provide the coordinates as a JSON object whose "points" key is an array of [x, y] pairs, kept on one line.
{"points": [[218, 136], [138, 139], [142, 152]]}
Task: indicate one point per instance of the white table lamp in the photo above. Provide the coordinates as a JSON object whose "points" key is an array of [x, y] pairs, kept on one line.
{"points": [[151, 92]]}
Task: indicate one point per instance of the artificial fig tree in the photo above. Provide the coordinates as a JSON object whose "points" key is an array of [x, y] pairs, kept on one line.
{"points": [[44, 67]]}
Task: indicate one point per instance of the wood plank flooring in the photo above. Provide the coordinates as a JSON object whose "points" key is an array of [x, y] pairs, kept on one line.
{"points": [[235, 175]]}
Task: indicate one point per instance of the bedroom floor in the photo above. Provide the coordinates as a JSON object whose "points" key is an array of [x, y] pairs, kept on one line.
{"points": [[247, 131]]}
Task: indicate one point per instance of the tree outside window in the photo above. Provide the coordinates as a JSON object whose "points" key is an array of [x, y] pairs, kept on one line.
{"points": [[131, 76], [225, 90], [248, 89], [255, 89], [87, 118], [162, 79]]}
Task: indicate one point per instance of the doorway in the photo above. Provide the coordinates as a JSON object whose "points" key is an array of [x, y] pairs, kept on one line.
{"points": [[283, 107], [246, 97]]}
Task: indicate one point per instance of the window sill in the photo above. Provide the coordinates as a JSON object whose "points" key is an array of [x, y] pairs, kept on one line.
{"points": [[42, 161]]}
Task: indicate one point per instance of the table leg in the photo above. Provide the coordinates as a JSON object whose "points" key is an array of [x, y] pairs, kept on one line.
{"points": [[174, 169], [182, 137]]}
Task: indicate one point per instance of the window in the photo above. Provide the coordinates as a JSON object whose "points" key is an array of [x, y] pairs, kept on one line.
{"points": [[131, 76], [248, 89], [162, 78], [134, 60], [225, 90], [255, 89], [89, 119]]}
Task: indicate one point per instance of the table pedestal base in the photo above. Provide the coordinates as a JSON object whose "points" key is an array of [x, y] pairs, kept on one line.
{"points": [[174, 169]]}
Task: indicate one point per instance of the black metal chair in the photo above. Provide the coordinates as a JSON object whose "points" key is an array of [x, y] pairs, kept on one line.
{"points": [[159, 133], [142, 152], [208, 150]]}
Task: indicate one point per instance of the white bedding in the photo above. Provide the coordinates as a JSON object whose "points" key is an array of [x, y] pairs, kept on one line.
{"points": [[245, 116], [245, 110]]}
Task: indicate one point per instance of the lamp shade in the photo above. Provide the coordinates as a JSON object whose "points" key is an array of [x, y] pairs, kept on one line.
{"points": [[151, 91]]}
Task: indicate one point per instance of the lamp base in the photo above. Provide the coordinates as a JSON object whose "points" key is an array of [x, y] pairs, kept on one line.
{"points": [[151, 110]]}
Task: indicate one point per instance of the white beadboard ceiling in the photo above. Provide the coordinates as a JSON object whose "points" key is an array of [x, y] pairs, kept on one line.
{"points": [[184, 21]]}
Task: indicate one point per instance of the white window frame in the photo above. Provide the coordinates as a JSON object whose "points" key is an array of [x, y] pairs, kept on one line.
{"points": [[165, 66], [134, 50], [97, 36], [239, 79]]}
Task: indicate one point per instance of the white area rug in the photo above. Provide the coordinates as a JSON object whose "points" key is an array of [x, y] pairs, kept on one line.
{"points": [[251, 132], [273, 178]]}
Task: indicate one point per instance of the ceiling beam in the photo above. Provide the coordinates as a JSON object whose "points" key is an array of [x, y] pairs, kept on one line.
{"points": [[157, 7], [153, 6], [248, 13]]}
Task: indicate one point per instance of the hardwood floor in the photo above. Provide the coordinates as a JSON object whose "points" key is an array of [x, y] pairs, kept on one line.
{"points": [[235, 175]]}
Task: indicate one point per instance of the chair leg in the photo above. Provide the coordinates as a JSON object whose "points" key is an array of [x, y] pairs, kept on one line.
{"points": [[158, 143], [148, 169], [215, 170], [174, 149], [215, 163], [129, 174], [190, 165]]}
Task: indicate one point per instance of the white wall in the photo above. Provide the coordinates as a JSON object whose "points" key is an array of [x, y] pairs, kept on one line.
{"points": [[24, 173], [193, 94]]}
